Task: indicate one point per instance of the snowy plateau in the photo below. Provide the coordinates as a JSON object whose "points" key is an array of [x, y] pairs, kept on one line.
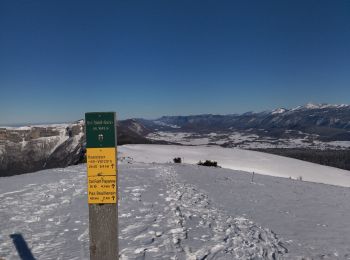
{"points": [[289, 209]]}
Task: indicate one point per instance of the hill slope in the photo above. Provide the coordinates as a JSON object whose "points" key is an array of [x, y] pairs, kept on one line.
{"points": [[243, 160], [187, 211]]}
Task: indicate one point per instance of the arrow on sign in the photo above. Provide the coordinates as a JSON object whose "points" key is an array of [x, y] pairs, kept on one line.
{"points": [[113, 185], [113, 197], [112, 165]]}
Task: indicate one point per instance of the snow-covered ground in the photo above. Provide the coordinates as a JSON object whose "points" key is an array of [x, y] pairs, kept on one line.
{"points": [[179, 211], [49, 210], [29, 127], [247, 140], [238, 159]]}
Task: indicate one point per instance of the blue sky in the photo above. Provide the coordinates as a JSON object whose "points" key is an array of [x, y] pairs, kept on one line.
{"points": [[60, 59]]}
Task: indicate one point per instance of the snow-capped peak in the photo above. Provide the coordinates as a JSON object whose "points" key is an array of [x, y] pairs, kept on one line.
{"points": [[319, 106], [313, 106], [278, 111]]}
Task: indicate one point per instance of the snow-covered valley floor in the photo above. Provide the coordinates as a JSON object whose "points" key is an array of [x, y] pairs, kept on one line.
{"points": [[170, 211]]}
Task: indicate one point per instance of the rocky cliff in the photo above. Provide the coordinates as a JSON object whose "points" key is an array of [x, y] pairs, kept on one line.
{"points": [[31, 148]]}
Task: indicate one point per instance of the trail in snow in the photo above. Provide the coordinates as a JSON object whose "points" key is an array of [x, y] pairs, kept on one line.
{"points": [[160, 217], [184, 224], [169, 211]]}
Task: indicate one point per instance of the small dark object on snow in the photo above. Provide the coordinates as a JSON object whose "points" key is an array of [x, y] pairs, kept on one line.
{"points": [[208, 163], [177, 160]]}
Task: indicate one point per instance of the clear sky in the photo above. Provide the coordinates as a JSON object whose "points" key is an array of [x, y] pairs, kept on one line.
{"points": [[60, 59]]}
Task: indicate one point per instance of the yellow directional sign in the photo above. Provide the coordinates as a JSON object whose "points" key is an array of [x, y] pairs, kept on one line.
{"points": [[101, 161], [102, 175], [102, 189]]}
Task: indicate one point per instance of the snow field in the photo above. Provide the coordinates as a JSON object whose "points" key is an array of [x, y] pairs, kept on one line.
{"points": [[41, 211], [182, 223], [160, 217], [243, 160], [170, 211], [246, 140]]}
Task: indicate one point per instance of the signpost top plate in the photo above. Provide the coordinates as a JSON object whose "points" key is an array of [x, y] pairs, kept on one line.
{"points": [[100, 129]]}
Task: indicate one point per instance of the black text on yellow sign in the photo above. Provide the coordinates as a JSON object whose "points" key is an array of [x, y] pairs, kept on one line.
{"points": [[102, 189], [101, 161], [102, 175]]}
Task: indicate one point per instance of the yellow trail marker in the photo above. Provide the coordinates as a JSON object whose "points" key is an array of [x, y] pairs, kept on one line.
{"points": [[102, 189], [101, 161]]}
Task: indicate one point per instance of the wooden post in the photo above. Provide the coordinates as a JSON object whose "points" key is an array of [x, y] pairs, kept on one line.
{"points": [[103, 231], [102, 172]]}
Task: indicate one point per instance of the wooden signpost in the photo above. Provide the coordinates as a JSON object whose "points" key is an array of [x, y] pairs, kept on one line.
{"points": [[102, 170]]}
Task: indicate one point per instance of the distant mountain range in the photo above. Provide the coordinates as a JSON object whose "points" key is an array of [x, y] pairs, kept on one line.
{"points": [[31, 148], [329, 122]]}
